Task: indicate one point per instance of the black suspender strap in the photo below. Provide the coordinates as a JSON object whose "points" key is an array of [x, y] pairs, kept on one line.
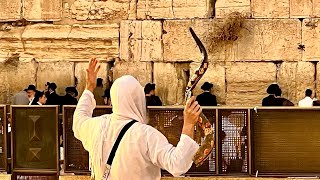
{"points": [[116, 144]]}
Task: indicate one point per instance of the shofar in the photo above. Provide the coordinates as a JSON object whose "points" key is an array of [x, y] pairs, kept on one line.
{"points": [[203, 123]]}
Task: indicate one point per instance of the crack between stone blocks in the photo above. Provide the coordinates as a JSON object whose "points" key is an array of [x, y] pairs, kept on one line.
{"points": [[161, 41], [225, 85], [172, 8], [21, 10]]}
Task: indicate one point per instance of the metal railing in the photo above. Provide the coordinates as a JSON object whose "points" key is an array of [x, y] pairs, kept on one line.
{"points": [[268, 141]]}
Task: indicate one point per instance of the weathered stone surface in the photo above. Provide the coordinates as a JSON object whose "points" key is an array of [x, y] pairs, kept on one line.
{"points": [[270, 9], [167, 9], [114, 10], [260, 40], [46, 31], [301, 8], [310, 38], [61, 73], [141, 41], [171, 80], [60, 42], [80, 74], [265, 40], [142, 71], [179, 44], [10, 42], [318, 81], [223, 8], [42, 10], [10, 10], [247, 82], [216, 75], [15, 79], [294, 78]]}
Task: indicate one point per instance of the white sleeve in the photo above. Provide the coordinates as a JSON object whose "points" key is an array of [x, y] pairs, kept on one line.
{"points": [[176, 160], [83, 123]]}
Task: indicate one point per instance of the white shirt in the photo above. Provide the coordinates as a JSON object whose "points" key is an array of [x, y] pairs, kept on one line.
{"points": [[306, 102], [142, 151], [31, 100]]}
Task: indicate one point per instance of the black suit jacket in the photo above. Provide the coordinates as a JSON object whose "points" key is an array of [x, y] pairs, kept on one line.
{"points": [[53, 99], [207, 99]]}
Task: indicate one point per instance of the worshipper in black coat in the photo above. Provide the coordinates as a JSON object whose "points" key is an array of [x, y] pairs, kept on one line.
{"points": [[206, 98], [271, 99], [52, 97], [151, 98], [70, 97], [280, 101]]}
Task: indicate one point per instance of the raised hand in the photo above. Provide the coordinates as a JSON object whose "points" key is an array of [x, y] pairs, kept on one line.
{"points": [[92, 72]]}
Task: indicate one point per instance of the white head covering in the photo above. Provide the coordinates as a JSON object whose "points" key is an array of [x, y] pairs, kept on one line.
{"points": [[128, 100], [128, 103]]}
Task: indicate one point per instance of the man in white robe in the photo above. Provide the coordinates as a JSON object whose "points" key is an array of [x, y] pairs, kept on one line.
{"points": [[143, 149]]}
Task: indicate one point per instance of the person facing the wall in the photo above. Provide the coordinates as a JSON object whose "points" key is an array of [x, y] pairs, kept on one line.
{"points": [[98, 92], [271, 100], [280, 100], [307, 101], [151, 98], [52, 97], [206, 98]]}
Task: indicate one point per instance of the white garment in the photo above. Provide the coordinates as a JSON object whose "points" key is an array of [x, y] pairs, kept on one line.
{"points": [[306, 102], [31, 100], [143, 149]]}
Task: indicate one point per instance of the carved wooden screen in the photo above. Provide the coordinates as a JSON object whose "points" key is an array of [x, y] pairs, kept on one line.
{"points": [[35, 140], [285, 141], [233, 140], [169, 121], [3, 138], [76, 157]]}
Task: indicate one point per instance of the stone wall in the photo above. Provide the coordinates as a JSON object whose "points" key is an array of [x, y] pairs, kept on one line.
{"points": [[53, 39]]}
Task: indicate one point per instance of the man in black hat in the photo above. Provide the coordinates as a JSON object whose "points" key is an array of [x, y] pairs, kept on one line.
{"points": [[52, 97], [271, 100], [206, 98], [151, 98], [70, 97], [31, 93]]}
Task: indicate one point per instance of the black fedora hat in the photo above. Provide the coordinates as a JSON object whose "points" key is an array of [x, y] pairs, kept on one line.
{"points": [[206, 86], [31, 87]]}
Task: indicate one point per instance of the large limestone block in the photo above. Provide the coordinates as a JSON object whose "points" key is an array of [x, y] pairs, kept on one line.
{"points": [[269, 40], [225, 7], [171, 80], [10, 10], [141, 41], [15, 79], [270, 9], [61, 73], [142, 71], [115, 10], [10, 42], [301, 8], [179, 46], [310, 39], [80, 74], [247, 82], [260, 40], [215, 74], [167, 9], [42, 10], [294, 78], [60, 42]]}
